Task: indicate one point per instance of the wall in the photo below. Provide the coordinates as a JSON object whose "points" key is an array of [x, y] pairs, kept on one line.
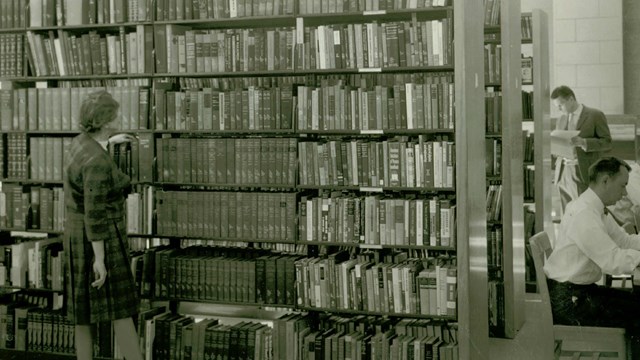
{"points": [[588, 56], [631, 52]]}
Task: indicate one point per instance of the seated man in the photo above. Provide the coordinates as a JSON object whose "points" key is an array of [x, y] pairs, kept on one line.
{"points": [[589, 243]]}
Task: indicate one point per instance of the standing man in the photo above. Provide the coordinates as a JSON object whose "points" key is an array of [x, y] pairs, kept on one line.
{"points": [[594, 139]]}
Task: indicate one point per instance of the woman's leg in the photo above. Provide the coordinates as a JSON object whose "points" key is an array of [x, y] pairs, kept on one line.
{"points": [[84, 342], [127, 339]]}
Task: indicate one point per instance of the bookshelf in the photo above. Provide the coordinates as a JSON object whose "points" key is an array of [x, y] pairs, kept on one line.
{"points": [[170, 89], [536, 47], [505, 233], [541, 118]]}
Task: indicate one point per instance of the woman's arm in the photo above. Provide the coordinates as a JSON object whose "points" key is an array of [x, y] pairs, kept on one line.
{"points": [[99, 268]]}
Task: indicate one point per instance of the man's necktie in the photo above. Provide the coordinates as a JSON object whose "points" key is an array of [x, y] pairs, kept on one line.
{"points": [[571, 124]]}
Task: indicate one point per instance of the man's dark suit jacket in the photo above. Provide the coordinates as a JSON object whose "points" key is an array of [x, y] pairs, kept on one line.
{"points": [[593, 127]]}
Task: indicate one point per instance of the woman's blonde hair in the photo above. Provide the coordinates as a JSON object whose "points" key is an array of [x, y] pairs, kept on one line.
{"points": [[97, 109]]}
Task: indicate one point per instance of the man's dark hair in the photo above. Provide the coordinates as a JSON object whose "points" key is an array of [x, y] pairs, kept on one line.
{"points": [[607, 165], [562, 91]]}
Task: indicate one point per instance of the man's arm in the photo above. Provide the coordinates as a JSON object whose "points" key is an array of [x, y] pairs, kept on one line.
{"points": [[621, 236], [601, 140], [590, 234]]}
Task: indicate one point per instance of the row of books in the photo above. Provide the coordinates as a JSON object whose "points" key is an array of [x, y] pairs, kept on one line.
{"points": [[494, 203], [491, 12], [135, 158], [494, 248], [91, 53], [180, 49], [492, 63], [23, 317], [32, 263], [140, 210], [192, 9], [493, 111], [409, 287], [526, 26], [80, 12], [391, 163], [408, 106], [168, 336], [295, 336], [493, 157], [16, 156], [527, 105], [254, 161], [12, 14], [365, 80], [55, 109], [299, 336], [31, 207], [527, 70], [528, 144], [374, 220], [201, 273], [529, 183], [229, 215], [250, 108], [238, 83], [11, 49], [48, 157], [496, 308], [287, 248], [336, 6]]}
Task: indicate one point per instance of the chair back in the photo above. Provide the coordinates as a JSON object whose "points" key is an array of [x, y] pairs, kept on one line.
{"points": [[574, 342], [540, 250]]}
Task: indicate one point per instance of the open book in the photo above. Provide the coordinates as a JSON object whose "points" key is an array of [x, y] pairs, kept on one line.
{"points": [[561, 143]]}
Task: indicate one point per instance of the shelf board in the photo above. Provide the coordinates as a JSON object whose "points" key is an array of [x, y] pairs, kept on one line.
{"points": [[229, 303], [11, 30], [88, 27], [228, 132], [377, 246], [303, 72], [32, 182], [376, 313], [209, 186], [489, 29], [50, 132], [186, 237], [377, 132], [34, 231], [83, 77], [10, 287], [376, 188]]}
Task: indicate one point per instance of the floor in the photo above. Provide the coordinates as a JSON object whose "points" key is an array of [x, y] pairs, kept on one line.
{"points": [[533, 342]]}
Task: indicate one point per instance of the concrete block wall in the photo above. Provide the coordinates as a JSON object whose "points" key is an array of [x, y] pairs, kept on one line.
{"points": [[588, 54]]}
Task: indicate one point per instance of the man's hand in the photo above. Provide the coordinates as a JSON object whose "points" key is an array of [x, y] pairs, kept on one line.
{"points": [[577, 141], [100, 272], [121, 138]]}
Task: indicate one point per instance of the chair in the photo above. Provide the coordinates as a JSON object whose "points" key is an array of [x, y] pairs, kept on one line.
{"points": [[575, 342]]}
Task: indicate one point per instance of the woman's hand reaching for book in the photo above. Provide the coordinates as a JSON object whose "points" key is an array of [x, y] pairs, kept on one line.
{"points": [[122, 138]]}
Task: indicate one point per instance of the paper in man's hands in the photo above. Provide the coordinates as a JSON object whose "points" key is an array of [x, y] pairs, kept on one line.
{"points": [[561, 144]]}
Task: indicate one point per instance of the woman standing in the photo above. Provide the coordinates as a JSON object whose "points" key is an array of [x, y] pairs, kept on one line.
{"points": [[100, 286]]}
